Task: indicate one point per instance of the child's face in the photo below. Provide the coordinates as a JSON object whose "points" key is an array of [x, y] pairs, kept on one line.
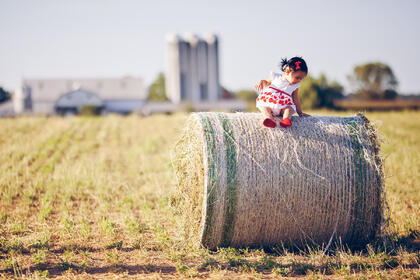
{"points": [[294, 77]]}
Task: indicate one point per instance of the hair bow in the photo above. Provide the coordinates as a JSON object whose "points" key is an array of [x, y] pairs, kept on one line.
{"points": [[297, 65]]}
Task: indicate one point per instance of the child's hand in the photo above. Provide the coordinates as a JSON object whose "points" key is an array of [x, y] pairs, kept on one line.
{"points": [[304, 115], [261, 84]]}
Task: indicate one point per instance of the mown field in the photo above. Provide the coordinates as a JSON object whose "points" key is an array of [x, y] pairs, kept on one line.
{"points": [[90, 198]]}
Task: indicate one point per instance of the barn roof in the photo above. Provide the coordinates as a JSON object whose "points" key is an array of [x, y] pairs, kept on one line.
{"points": [[107, 88]]}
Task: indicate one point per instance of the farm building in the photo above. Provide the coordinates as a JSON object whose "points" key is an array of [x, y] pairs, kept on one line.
{"points": [[192, 75], [68, 96], [191, 80], [192, 72]]}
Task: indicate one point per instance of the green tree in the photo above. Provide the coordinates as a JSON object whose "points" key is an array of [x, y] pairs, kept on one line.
{"points": [[374, 80], [4, 95], [328, 92], [319, 93], [157, 89], [246, 94], [314, 93], [308, 93], [249, 96]]}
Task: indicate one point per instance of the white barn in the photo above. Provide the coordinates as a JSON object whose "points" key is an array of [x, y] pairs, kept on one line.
{"points": [[61, 96]]}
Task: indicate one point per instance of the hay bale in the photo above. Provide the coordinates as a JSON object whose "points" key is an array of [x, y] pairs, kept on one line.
{"points": [[241, 184]]}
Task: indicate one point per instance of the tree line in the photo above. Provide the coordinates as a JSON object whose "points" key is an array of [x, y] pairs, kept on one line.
{"points": [[369, 81], [4, 95]]}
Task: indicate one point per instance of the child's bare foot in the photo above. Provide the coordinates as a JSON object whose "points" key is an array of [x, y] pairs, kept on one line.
{"points": [[285, 123], [269, 123]]}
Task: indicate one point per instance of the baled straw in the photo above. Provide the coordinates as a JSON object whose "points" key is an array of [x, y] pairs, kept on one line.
{"points": [[241, 184]]}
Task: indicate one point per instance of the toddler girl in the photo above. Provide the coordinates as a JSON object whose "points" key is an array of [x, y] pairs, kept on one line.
{"points": [[279, 94]]}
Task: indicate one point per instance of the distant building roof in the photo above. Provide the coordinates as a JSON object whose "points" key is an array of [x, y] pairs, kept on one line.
{"points": [[108, 88], [78, 98]]}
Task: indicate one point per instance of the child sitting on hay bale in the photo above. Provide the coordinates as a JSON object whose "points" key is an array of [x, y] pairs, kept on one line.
{"points": [[279, 94]]}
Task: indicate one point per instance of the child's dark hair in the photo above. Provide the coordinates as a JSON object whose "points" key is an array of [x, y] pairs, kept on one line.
{"points": [[295, 63]]}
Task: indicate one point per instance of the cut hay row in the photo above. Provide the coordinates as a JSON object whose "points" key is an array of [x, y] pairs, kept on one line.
{"points": [[241, 184]]}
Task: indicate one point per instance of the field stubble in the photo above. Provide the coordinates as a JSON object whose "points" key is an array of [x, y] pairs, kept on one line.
{"points": [[90, 198]]}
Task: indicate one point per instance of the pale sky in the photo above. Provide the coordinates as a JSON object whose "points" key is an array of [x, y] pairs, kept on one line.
{"points": [[104, 38]]}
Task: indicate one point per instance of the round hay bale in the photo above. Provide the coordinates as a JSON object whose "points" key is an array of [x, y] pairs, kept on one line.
{"points": [[241, 184]]}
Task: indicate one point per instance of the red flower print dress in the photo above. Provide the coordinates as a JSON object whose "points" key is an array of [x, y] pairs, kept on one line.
{"points": [[278, 95]]}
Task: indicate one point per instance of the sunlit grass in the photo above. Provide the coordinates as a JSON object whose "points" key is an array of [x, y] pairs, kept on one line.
{"points": [[86, 195]]}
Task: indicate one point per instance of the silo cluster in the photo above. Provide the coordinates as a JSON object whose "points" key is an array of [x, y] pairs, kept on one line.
{"points": [[192, 72]]}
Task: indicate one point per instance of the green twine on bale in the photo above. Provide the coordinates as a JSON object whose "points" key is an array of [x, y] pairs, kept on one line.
{"points": [[358, 192], [231, 195], [212, 177]]}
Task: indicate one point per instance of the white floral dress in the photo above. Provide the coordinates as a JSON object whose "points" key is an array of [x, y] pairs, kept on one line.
{"points": [[278, 95]]}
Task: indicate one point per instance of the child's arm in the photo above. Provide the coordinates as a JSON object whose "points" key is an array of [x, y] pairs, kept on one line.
{"points": [[262, 84], [296, 100]]}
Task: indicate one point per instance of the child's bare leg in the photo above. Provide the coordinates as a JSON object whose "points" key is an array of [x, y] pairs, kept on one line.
{"points": [[287, 113], [269, 121], [267, 112]]}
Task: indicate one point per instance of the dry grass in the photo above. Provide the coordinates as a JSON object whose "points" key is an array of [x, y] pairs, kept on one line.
{"points": [[90, 198]]}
